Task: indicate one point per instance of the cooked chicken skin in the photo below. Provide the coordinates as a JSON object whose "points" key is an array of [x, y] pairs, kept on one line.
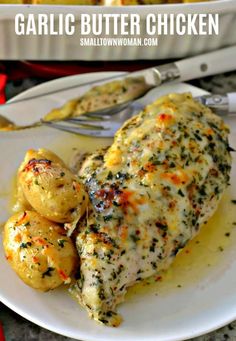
{"points": [[150, 192]]}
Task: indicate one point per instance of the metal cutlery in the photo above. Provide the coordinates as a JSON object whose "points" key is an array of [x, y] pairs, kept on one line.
{"points": [[222, 60], [106, 126]]}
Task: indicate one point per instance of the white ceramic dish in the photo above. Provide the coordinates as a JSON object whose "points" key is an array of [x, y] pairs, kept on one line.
{"points": [[68, 47], [199, 307]]}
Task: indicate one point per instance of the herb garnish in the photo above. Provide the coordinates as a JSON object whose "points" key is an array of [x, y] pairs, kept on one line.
{"points": [[48, 272], [61, 242], [25, 245]]}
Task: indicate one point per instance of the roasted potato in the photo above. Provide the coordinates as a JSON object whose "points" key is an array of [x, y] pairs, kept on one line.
{"points": [[38, 250], [51, 188], [21, 203], [41, 153]]}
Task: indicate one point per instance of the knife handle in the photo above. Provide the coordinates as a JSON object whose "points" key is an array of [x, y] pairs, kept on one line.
{"points": [[203, 65], [208, 64]]}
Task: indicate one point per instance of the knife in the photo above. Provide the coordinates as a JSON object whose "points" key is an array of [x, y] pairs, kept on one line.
{"points": [[203, 65]]}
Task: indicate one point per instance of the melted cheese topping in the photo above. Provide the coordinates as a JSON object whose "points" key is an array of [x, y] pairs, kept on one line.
{"points": [[150, 192]]}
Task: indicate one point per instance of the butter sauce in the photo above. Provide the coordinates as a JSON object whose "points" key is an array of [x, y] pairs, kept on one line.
{"points": [[77, 144], [199, 256]]}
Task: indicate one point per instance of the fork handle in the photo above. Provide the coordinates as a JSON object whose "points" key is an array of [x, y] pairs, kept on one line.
{"points": [[232, 101], [225, 103]]}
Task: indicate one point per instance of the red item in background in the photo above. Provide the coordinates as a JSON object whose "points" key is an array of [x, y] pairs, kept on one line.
{"points": [[2, 338], [49, 70], [3, 81], [14, 71]]}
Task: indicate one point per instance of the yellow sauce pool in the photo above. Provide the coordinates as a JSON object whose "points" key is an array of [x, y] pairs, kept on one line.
{"points": [[205, 251], [75, 144]]}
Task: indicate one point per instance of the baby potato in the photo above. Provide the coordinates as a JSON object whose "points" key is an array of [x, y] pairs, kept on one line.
{"points": [[41, 153], [51, 188], [38, 250], [21, 203]]}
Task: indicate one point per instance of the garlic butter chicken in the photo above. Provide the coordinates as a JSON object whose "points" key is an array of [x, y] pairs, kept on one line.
{"points": [[131, 207]]}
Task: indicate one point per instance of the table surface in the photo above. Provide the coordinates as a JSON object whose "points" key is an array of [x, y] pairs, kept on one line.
{"points": [[17, 328]]}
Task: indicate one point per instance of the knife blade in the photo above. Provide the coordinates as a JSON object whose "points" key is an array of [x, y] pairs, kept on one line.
{"points": [[207, 64]]}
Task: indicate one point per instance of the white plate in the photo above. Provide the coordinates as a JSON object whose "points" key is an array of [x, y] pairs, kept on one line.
{"points": [[202, 306]]}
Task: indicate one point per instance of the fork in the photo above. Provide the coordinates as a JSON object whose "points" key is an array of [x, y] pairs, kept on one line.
{"points": [[107, 125], [207, 64]]}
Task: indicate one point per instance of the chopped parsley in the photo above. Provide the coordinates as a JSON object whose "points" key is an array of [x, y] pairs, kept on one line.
{"points": [[134, 238], [161, 226], [25, 245], [155, 160], [109, 176], [180, 193], [122, 176], [48, 272], [26, 224], [61, 242], [107, 217]]}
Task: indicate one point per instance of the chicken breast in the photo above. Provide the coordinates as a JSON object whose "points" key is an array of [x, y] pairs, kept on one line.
{"points": [[150, 192]]}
